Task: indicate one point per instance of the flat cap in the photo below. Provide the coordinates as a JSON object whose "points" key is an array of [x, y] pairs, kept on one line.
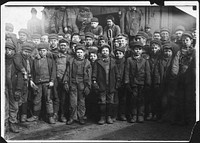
{"points": [[25, 31], [121, 49], [94, 19], [168, 46], [10, 45], [63, 40], [180, 28], [102, 37], [156, 41], [143, 34], [134, 44], [43, 46], [53, 36], [89, 34], [35, 36], [164, 29], [147, 26], [28, 46], [105, 46], [188, 34], [80, 47], [157, 31], [92, 50]]}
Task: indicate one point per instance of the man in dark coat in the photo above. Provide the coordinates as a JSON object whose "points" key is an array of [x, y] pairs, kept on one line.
{"points": [[61, 60], [137, 79], [11, 99], [23, 64], [78, 82], [44, 73], [105, 79]]}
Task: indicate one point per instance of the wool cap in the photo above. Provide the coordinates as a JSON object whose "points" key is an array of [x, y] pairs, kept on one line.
{"points": [[105, 46], [10, 45], [25, 31], [43, 46], [168, 46], [94, 19], [102, 37], [110, 17], [164, 29], [147, 26], [92, 50], [89, 34], [156, 41], [180, 28], [80, 46], [157, 31], [134, 44], [28, 46], [63, 40], [143, 34], [188, 34], [36, 36], [53, 36], [121, 49]]}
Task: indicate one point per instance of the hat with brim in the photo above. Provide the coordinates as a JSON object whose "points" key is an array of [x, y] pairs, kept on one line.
{"points": [[89, 34], [94, 19], [135, 44], [168, 46], [188, 34], [63, 40], [80, 47], [53, 36], [27, 47], [92, 50], [105, 46], [121, 49], [164, 29], [36, 36], [143, 34], [43, 46], [155, 41], [25, 31], [10, 45]]}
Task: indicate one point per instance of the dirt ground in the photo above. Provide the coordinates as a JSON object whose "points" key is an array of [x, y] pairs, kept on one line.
{"points": [[123, 131]]}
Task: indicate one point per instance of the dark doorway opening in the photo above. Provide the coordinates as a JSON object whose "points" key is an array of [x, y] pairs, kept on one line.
{"points": [[102, 19]]}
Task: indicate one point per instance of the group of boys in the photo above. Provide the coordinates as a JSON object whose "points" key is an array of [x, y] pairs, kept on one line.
{"points": [[100, 74]]}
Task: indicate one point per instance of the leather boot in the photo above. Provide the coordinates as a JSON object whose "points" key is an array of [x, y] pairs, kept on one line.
{"points": [[14, 128], [62, 118], [23, 118], [52, 120], [70, 121], [32, 119], [102, 120], [109, 120]]}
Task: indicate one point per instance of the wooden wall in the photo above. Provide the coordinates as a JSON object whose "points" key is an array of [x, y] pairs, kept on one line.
{"points": [[156, 16]]}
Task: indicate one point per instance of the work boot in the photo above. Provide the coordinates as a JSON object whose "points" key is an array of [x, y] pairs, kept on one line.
{"points": [[154, 118], [70, 121], [55, 116], [82, 121], [63, 119], [23, 118], [52, 120], [140, 119], [14, 128], [133, 119], [109, 120], [122, 118], [102, 120], [149, 117], [32, 119]]}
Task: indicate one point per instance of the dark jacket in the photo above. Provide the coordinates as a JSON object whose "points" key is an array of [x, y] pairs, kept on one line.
{"points": [[71, 71], [36, 70], [121, 69], [21, 67], [137, 72], [115, 31], [99, 73]]}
